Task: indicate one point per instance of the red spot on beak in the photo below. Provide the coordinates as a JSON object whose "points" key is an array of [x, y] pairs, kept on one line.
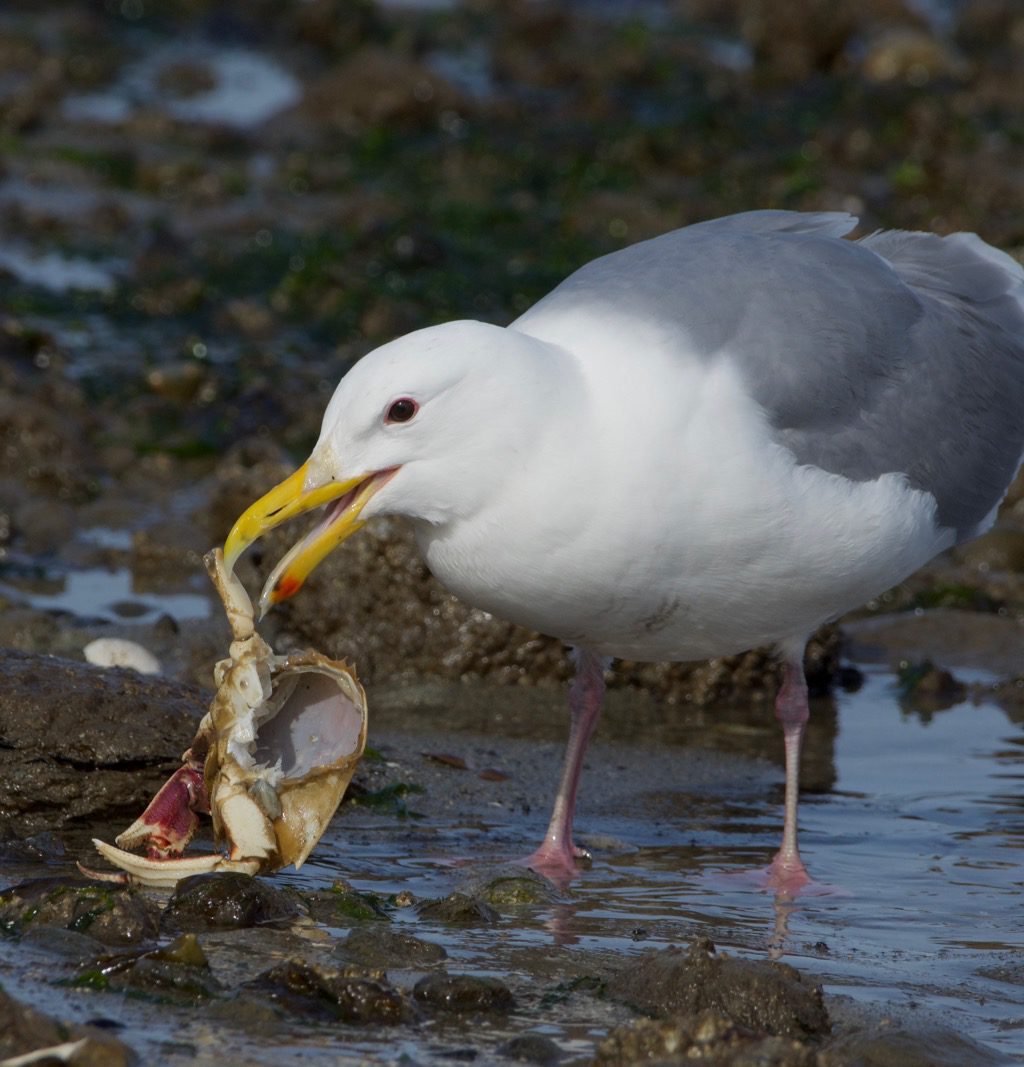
{"points": [[286, 587]]}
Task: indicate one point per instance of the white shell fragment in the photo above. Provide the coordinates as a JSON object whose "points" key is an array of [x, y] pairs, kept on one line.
{"points": [[120, 652]]}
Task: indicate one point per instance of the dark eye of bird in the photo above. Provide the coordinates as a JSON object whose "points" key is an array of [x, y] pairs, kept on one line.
{"points": [[402, 410]]}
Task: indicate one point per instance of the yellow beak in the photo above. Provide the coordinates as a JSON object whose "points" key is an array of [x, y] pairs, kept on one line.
{"points": [[291, 498]]}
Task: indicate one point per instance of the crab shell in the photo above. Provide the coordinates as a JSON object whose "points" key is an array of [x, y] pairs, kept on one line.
{"points": [[270, 762]]}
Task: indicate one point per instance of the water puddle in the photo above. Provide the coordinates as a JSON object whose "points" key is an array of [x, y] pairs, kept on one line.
{"points": [[234, 87], [112, 595], [58, 273]]}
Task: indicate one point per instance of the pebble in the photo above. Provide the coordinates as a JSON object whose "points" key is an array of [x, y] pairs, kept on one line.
{"points": [[120, 652]]}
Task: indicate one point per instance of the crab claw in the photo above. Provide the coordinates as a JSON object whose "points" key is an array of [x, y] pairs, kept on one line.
{"points": [[170, 820], [270, 763], [161, 873]]}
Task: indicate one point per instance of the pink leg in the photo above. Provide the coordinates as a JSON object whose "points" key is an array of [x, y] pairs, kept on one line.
{"points": [[557, 855], [787, 872]]}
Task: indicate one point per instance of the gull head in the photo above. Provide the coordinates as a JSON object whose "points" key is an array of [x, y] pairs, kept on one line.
{"points": [[422, 427]]}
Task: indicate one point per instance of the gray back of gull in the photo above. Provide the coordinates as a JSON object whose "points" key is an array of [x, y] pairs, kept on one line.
{"points": [[901, 352]]}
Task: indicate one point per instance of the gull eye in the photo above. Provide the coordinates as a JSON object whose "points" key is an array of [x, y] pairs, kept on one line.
{"points": [[402, 409]]}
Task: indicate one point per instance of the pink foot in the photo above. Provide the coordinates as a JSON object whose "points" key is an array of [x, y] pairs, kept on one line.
{"points": [[787, 878], [557, 862]]}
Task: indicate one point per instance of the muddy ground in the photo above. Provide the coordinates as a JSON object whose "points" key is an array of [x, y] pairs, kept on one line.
{"points": [[209, 210]]}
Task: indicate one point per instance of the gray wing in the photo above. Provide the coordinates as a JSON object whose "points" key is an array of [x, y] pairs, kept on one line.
{"points": [[902, 352]]}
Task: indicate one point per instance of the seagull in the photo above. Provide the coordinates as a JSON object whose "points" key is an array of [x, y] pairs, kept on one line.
{"points": [[720, 438]]}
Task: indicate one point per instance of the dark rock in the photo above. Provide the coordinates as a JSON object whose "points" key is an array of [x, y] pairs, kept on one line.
{"points": [[79, 742], [351, 995], [515, 887], [531, 1048], [706, 1038], [69, 945], [765, 997], [227, 901], [376, 946], [341, 905], [24, 1030], [463, 993], [891, 1043], [111, 914], [180, 971], [459, 909], [926, 688]]}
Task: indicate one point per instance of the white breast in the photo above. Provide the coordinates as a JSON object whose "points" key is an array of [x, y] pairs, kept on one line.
{"points": [[666, 524]]}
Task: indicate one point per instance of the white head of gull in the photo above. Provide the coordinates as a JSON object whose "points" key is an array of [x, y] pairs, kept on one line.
{"points": [[717, 439]]}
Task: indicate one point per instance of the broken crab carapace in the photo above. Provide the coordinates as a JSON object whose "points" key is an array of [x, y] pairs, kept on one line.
{"points": [[270, 762]]}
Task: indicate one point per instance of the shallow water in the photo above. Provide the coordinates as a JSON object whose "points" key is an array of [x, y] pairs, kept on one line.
{"points": [[920, 837]]}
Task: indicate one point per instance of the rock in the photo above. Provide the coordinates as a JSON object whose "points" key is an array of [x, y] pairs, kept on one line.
{"points": [[513, 888], [764, 997], [706, 1038], [23, 1030], [463, 993], [531, 1048], [909, 55], [900, 1038], [351, 995], [228, 901], [341, 905], [78, 743], [927, 688], [460, 909], [111, 914], [376, 946], [70, 946], [179, 972]]}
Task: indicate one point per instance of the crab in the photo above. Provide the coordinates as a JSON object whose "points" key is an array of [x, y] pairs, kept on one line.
{"points": [[270, 762]]}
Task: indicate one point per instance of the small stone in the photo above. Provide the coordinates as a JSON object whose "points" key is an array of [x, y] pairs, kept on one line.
{"points": [[516, 888], [926, 687], [341, 905], [376, 946], [459, 909], [531, 1048], [463, 993], [185, 950], [120, 652], [351, 995], [150, 974], [228, 901]]}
